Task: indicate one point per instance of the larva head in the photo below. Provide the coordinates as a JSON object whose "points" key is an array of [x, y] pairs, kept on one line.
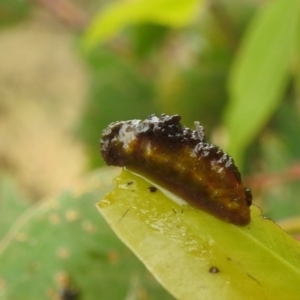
{"points": [[117, 141]]}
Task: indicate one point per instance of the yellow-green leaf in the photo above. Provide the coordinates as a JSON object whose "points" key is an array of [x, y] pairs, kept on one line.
{"points": [[106, 23], [196, 256], [261, 72]]}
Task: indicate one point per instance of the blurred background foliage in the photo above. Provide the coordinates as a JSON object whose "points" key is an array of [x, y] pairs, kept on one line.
{"points": [[69, 68]]}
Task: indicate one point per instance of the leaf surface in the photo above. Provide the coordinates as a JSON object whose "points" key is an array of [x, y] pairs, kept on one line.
{"points": [[66, 234], [196, 256]]}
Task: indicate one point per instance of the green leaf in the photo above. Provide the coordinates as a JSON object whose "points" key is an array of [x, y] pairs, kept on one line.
{"points": [[12, 204], [261, 72], [66, 234], [196, 256], [13, 11], [297, 62], [174, 13]]}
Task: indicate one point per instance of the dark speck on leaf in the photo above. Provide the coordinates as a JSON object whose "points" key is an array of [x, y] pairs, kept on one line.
{"points": [[152, 189], [214, 270], [129, 182], [253, 278]]}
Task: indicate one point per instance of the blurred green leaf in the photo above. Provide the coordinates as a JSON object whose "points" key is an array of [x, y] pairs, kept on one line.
{"points": [[287, 129], [174, 13], [261, 72], [147, 38], [12, 204], [297, 62], [279, 199], [65, 234], [13, 10], [195, 255]]}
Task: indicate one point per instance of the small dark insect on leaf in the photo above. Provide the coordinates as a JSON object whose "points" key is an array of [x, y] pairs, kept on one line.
{"points": [[182, 161], [65, 290], [214, 270], [152, 189]]}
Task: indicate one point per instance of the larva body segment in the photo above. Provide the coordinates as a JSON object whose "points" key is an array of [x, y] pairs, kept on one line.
{"points": [[181, 160]]}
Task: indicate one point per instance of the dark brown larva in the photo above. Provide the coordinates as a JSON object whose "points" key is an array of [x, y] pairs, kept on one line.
{"points": [[181, 160]]}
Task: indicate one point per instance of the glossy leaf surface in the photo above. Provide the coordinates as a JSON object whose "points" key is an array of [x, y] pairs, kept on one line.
{"points": [[196, 256]]}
